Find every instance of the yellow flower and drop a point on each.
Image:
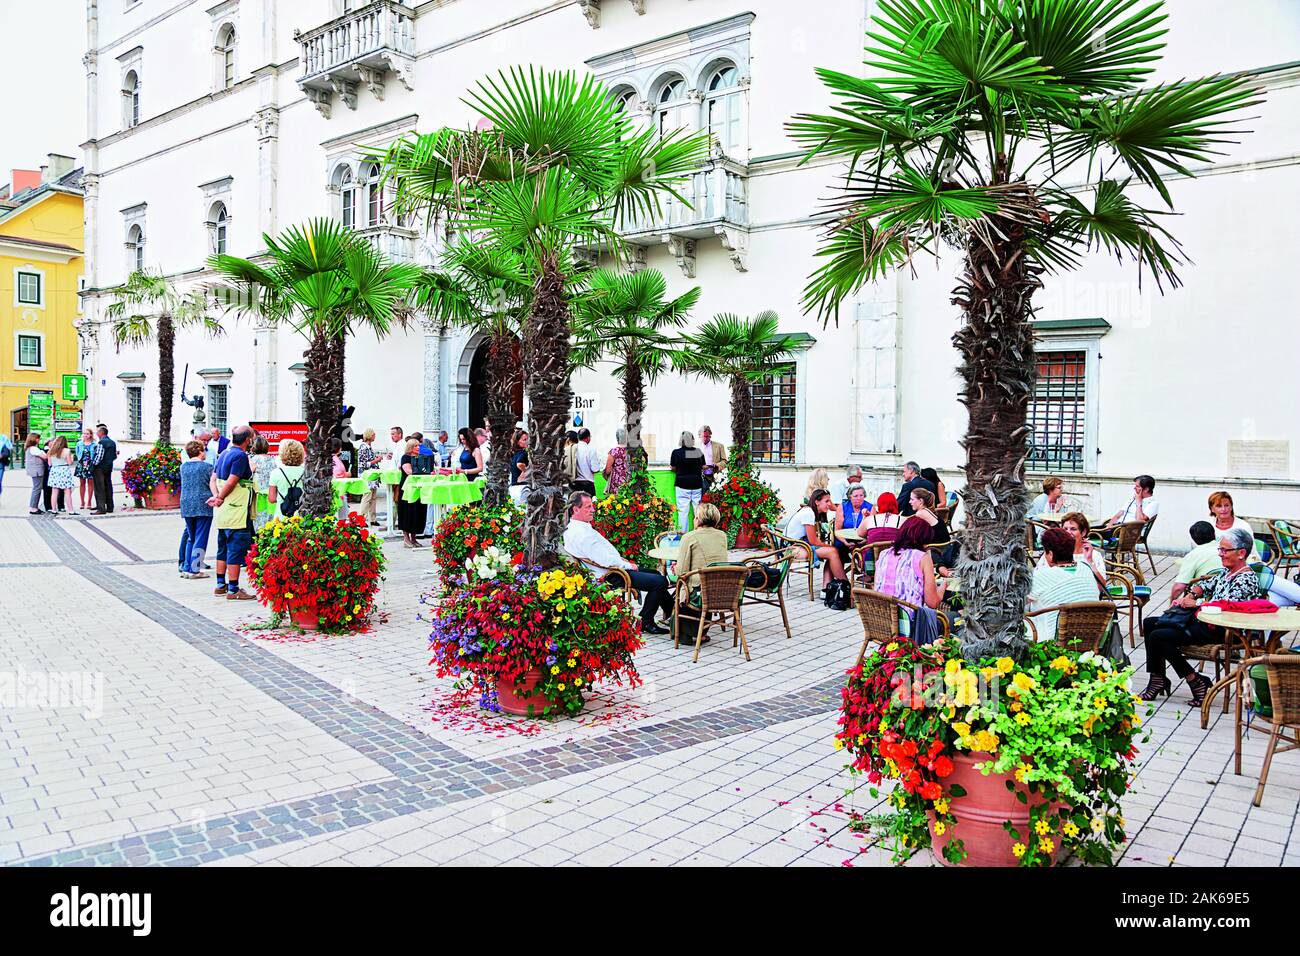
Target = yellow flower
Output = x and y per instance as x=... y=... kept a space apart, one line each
x=1046 y=845
x=1136 y=720
x=572 y=662
x=1098 y=824
x=1023 y=681
x=953 y=666
x=1071 y=830
x=554 y=669
x=560 y=686
x=577 y=682
x=892 y=646
x=941 y=806
x=1099 y=703
x=1088 y=725
x=961 y=729
x=560 y=606
x=1022 y=719
x=1006 y=665
x=939 y=829
x=1061 y=663
x=839 y=744
x=288 y=594
x=1015 y=706
x=1043 y=827
x=1018 y=849
x=988 y=673
x=356 y=609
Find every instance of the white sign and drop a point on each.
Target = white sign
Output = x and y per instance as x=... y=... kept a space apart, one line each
x=585 y=405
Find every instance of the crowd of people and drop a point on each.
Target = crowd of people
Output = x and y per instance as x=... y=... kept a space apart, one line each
x=57 y=471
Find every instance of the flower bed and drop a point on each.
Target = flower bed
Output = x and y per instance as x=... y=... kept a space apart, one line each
x=560 y=624
x=159 y=467
x=631 y=521
x=309 y=565
x=467 y=531
x=1062 y=727
x=746 y=503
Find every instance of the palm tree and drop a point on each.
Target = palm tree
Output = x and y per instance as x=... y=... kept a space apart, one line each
x=324 y=281
x=740 y=352
x=558 y=168
x=489 y=292
x=626 y=317
x=1012 y=129
x=149 y=308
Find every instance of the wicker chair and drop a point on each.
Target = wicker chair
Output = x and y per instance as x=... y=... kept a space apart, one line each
x=1130 y=592
x=1287 y=551
x=1081 y=626
x=1284 y=693
x=1124 y=543
x=881 y=617
x=772 y=594
x=721 y=588
x=776 y=541
x=619 y=576
x=1033 y=535
x=1142 y=546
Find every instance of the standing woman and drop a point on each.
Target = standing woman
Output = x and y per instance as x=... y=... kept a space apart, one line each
x=411 y=514
x=616 y=462
x=687 y=463
x=59 y=459
x=88 y=453
x=35 y=464
x=6 y=457
x=519 y=458
x=470 y=462
x=368 y=460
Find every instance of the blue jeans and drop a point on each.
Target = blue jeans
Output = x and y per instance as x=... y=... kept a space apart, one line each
x=194 y=542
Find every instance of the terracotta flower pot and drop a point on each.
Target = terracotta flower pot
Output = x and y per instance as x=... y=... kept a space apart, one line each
x=980 y=815
x=307 y=620
x=745 y=540
x=527 y=699
x=162 y=498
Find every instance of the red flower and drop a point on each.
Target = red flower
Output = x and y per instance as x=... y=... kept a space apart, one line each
x=943 y=767
x=931 y=790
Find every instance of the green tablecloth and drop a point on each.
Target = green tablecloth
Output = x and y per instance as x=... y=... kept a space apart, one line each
x=389 y=476
x=442 y=489
x=351 y=486
x=660 y=478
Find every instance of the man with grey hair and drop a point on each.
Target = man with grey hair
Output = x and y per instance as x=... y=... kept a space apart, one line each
x=843 y=487
x=911 y=481
x=715 y=456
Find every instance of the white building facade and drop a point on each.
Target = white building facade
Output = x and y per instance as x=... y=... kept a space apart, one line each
x=212 y=124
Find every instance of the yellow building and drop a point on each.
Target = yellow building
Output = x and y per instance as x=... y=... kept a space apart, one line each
x=40 y=271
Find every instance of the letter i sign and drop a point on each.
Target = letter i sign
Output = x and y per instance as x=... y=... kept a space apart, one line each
x=74 y=388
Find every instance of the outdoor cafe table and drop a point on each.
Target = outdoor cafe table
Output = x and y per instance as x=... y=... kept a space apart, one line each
x=1094 y=521
x=388 y=478
x=1238 y=627
x=665 y=554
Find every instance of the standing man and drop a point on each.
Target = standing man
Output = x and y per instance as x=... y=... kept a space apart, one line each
x=396 y=434
x=484 y=443
x=234 y=517
x=6 y=458
x=217 y=443
x=586 y=464
x=715 y=456
x=442 y=449
x=103 y=475
x=911 y=481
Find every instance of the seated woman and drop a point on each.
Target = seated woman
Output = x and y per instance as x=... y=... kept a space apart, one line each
x=1084 y=552
x=820 y=479
x=923 y=507
x=803 y=526
x=940 y=492
x=850 y=516
x=1223 y=515
x=883 y=523
x=906 y=570
x=1167 y=634
x=1060 y=579
x=1050 y=501
x=705 y=545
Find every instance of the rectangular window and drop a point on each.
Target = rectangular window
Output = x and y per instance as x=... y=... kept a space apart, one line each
x=772 y=432
x=1057 y=412
x=29 y=351
x=135 y=412
x=29 y=288
x=217 y=416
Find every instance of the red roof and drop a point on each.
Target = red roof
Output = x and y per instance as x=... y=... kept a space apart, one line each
x=26 y=179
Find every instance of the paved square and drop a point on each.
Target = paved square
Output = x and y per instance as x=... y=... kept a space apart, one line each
x=182 y=736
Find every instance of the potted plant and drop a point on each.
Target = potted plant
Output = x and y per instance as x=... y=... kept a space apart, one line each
x=533 y=642
x=996 y=763
x=746 y=503
x=322 y=572
x=154 y=478
x=631 y=518
x=470 y=529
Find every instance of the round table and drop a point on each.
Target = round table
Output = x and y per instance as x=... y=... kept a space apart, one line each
x=1238 y=626
x=388 y=476
x=664 y=553
x=849 y=536
x=351 y=486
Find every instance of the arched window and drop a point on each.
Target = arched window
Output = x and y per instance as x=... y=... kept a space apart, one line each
x=722 y=107
x=670 y=112
x=135 y=248
x=372 y=194
x=347 y=196
x=131 y=99
x=218 y=228
x=225 y=56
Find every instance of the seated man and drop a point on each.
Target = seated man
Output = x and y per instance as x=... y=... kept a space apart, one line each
x=1142 y=506
x=1062 y=581
x=803 y=527
x=587 y=545
x=1198 y=562
x=912 y=479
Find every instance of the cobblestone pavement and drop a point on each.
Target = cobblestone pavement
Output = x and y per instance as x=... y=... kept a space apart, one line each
x=185 y=734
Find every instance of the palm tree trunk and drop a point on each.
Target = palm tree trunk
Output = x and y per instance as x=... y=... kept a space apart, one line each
x=742 y=416
x=324 y=399
x=633 y=388
x=546 y=356
x=166 y=376
x=502 y=374
x=996 y=343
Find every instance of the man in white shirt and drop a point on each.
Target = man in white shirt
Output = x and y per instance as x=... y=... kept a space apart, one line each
x=593 y=550
x=1142 y=507
x=587 y=464
x=484 y=443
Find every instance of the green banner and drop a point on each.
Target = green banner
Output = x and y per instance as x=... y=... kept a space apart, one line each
x=40 y=413
x=67 y=422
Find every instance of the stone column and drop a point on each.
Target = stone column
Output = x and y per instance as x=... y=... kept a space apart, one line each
x=432 y=381
x=875 y=381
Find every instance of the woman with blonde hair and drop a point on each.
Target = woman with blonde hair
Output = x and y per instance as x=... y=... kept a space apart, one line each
x=59 y=457
x=1225 y=518
x=411 y=514
x=820 y=480
x=286 y=486
x=367 y=460
x=87 y=455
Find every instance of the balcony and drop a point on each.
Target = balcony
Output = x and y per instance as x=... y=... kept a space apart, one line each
x=717 y=204
x=360 y=47
x=397 y=243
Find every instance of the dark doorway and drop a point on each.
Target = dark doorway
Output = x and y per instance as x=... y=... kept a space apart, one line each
x=478 y=386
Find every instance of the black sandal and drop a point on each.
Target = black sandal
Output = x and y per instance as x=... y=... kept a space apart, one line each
x=1156 y=686
x=1200 y=685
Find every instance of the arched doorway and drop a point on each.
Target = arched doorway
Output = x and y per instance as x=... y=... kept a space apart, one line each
x=478 y=385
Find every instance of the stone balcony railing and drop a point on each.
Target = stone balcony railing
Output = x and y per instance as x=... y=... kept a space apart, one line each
x=716 y=204
x=397 y=243
x=359 y=47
